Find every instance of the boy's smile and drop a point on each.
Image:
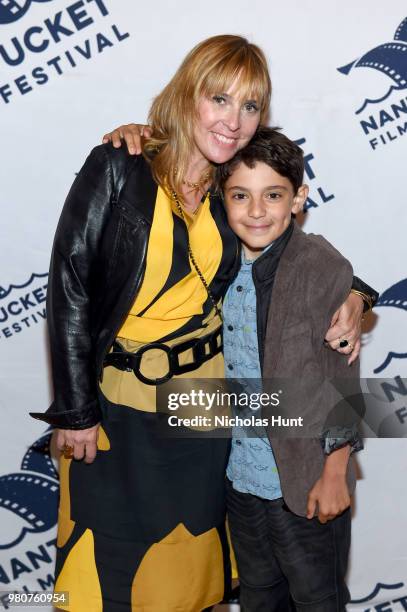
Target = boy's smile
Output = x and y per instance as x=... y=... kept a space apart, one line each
x=259 y=203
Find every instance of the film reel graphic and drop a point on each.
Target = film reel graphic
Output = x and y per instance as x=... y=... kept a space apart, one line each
x=11 y=10
x=389 y=58
x=32 y=493
x=394 y=297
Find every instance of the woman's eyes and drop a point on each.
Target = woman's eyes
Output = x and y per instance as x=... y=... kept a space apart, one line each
x=250 y=107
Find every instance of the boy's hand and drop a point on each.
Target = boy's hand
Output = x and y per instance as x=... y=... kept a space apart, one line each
x=330 y=493
x=346 y=324
x=131 y=134
x=79 y=443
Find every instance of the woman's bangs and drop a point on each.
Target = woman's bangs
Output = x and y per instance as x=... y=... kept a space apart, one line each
x=248 y=78
x=253 y=84
x=219 y=78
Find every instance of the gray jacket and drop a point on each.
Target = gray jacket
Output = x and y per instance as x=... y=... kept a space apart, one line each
x=312 y=281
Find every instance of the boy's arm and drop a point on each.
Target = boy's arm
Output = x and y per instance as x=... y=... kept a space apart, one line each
x=340 y=437
x=330 y=492
x=132 y=134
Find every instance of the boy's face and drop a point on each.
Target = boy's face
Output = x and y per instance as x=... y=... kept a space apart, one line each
x=259 y=203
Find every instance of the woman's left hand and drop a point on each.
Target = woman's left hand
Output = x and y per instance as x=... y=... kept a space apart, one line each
x=79 y=443
x=346 y=325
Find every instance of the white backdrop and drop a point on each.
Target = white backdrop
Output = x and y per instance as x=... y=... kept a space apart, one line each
x=69 y=71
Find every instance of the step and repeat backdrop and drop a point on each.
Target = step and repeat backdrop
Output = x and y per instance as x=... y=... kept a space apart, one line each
x=72 y=70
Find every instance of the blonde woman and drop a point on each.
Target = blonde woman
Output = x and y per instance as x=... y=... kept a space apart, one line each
x=141 y=260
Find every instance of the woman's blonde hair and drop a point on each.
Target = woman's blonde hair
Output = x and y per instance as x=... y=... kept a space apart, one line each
x=210 y=68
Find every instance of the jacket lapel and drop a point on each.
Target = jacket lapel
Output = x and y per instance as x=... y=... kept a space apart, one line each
x=280 y=302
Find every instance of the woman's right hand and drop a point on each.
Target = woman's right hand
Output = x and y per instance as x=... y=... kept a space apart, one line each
x=131 y=134
x=79 y=443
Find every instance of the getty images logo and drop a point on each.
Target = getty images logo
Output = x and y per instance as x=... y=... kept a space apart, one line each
x=11 y=11
x=383 y=123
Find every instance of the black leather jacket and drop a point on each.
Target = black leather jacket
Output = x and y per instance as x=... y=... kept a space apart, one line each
x=97 y=265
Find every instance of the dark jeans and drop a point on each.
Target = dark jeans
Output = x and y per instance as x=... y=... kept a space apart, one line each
x=287 y=562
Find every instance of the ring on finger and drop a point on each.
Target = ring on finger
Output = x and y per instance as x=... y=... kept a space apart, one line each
x=343 y=343
x=68 y=450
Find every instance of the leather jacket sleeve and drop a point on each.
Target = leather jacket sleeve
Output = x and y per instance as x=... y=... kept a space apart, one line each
x=360 y=285
x=74 y=257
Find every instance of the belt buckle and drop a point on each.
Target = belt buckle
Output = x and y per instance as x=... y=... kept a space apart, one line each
x=153 y=381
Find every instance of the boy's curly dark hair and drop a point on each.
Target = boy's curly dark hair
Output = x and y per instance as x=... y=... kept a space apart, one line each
x=271 y=147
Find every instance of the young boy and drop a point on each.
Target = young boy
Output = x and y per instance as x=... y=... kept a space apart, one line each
x=288 y=501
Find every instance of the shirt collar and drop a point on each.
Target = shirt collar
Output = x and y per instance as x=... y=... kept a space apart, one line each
x=250 y=262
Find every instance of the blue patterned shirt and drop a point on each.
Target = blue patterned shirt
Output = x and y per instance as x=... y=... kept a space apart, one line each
x=252 y=467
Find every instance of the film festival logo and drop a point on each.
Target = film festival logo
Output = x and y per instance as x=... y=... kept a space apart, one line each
x=318 y=195
x=386 y=591
x=384 y=119
x=11 y=11
x=393 y=319
x=386 y=407
x=22 y=306
x=29 y=505
x=30 y=494
x=47 y=42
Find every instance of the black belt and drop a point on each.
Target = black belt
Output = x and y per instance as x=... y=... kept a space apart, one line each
x=203 y=349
